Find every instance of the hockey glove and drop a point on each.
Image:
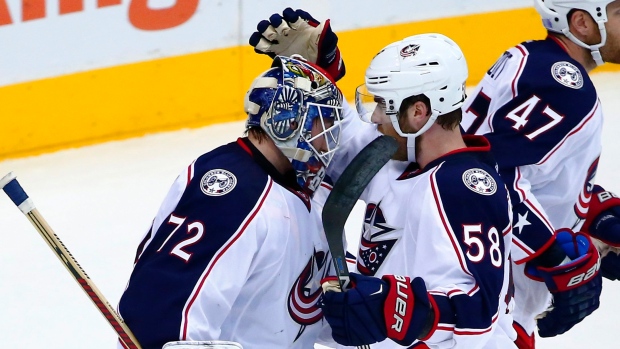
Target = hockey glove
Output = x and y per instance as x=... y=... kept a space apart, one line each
x=297 y=32
x=610 y=266
x=603 y=224
x=575 y=285
x=374 y=309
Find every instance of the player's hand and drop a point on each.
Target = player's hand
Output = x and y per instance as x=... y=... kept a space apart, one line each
x=297 y=32
x=576 y=286
x=358 y=315
x=610 y=266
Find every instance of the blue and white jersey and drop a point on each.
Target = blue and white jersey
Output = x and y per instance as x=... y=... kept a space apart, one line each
x=236 y=252
x=540 y=111
x=449 y=224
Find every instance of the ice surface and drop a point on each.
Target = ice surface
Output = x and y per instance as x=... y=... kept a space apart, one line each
x=101 y=199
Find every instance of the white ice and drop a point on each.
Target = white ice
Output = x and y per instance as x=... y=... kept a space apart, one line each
x=101 y=199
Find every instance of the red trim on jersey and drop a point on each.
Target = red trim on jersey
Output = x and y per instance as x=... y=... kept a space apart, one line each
x=540 y=215
x=516 y=184
x=245 y=147
x=559 y=42
x=447 y=227
x=519 y=71
x=190 y=173
x=507 y=230
x=523 y=341
x=535 y=254
x=448 y=327
x=236 y=237
x=478 y=332
x=473 y=143
x=585 y=121
x=528 y=251
x=326 y=185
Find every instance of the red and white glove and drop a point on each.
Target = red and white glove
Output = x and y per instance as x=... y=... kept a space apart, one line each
x=297 y=32
x=575 y=284
x=603 y=225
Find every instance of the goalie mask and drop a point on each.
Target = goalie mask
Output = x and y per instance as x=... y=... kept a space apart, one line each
x=287 y=102
x=554 y=15
x=428 y=64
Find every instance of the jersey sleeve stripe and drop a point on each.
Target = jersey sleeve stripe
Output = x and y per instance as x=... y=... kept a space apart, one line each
x=520 y=70
x=539 y=214
x=447 y=227
x=222 y=250
x=190 y=173
x=473 y=332
x=517 y=188
x=574 y=131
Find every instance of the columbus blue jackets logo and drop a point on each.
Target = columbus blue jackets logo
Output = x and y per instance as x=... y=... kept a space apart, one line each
x=583 y=203
x=479 y=181
x=409 y=50
x=567 y=74
x=378 y=238
x=306 y=291
x=218 y=182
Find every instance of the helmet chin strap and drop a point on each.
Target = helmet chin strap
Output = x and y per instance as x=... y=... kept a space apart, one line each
x=411 y=149
x=411 y=137
x=594 y=49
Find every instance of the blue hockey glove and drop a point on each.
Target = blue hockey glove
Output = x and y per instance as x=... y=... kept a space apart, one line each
x=297 y=32
x=374 y=309
x=610 y=266
x=576 y=285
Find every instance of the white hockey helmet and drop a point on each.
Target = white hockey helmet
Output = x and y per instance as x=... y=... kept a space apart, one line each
x=554 y=15
x=428 y=64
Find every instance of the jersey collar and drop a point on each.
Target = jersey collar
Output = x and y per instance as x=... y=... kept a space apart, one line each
x=287 y=180
x=478 y=145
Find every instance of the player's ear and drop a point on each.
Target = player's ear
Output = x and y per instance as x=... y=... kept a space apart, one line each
x=418 y=113
x=583 y=26
x=414 y=116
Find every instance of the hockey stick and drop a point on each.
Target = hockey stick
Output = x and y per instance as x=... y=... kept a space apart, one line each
x=346 y=192
x=19 y=197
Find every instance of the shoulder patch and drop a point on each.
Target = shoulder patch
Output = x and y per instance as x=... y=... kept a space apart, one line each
x=218 y=182
x=479 y=181
x=567 y=74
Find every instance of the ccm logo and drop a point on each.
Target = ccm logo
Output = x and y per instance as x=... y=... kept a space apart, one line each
x=577 y=279
x=400 y=309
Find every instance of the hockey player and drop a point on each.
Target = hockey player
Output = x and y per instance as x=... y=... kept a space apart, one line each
x=433 y=262
x=542 y=116
x=236 y=251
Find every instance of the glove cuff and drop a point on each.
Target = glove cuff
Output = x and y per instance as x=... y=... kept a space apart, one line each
x=601 y=201
x=574 y=274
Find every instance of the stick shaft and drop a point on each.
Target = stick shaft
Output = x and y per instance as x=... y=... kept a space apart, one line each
x=17 y=194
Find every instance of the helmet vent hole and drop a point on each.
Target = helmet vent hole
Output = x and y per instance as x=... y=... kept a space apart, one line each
x=441 y=99
x=444 y=88
x=378 y=80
